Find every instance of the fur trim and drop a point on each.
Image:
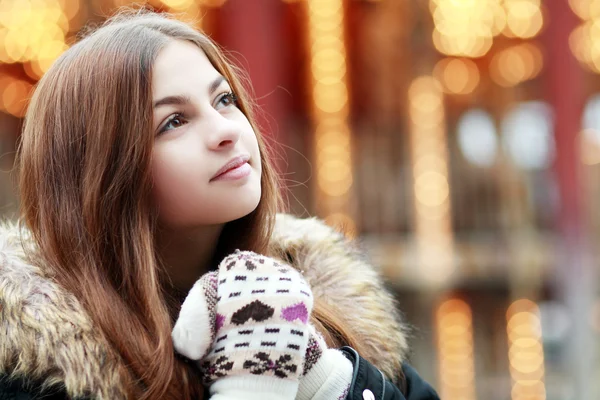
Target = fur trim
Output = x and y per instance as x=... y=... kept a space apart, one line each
x=340 y=275
x=48 y=336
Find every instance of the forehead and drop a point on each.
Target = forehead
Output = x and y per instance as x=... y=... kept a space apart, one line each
x=180 y=66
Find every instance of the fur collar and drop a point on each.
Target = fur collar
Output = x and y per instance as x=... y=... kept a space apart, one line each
x=48 y=336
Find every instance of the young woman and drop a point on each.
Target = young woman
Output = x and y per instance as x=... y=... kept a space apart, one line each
x=141 y=170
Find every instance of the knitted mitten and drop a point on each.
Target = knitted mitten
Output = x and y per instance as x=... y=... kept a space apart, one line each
x=327 y=372
x=247 y=325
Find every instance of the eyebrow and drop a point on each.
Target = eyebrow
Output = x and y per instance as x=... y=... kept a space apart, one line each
x=183 y=99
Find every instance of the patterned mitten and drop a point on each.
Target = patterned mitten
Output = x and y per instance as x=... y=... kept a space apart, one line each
x=327 y=372
x=247 y=324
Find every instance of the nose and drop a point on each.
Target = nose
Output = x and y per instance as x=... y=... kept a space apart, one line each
x=222 y=133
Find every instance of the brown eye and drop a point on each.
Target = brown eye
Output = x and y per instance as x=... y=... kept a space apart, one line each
x=226 y=100
x=175 y=121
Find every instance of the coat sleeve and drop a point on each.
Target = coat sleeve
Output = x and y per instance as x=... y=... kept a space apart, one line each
x=20 y=389
x=367 y=378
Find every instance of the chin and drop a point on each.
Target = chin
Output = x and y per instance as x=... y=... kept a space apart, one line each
x=245 y=210
x=241 y=206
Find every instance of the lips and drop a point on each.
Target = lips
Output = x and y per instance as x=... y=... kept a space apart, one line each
x=232 y=164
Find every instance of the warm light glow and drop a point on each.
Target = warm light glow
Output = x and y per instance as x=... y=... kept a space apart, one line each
x=526 y=353
x=585 y=44
x=462 y=44
x=458 y=76
x=343 y=223
x=586 y=9
x=430 y=180
x=431 y=188
x=330 y=112
x=178 y=4
x=70 y=8
x=189 y=11
x=516 y=64
x=34 y=31
x=190 y=6
x=585 y=39
x=466 y=28
x=524 y=18
x=455 y=350
x=14 y=94
x=211 y=3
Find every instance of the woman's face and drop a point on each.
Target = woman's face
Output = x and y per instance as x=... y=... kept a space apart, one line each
x=206 y=162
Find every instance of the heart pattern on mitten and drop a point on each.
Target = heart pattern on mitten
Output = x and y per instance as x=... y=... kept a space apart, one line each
x=261 y=313
x=256 y=311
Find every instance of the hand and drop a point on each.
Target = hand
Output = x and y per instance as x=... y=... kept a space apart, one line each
x=247 y=325
x=327 y=372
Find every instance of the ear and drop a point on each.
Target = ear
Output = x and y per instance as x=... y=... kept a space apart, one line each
x=194 y=330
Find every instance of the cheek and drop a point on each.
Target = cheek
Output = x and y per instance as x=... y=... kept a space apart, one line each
x=170 y=174
x=174 y=180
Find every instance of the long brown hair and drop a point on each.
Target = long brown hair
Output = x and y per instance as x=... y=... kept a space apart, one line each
x=85 y=180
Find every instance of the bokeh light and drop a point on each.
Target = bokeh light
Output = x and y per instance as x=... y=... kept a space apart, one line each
x=457 y=75
x=456 y=363
x=477 y=137
x=14 y=94
x=524 y=18
x=430 y=179
x=34 y=31
x=330 y=100
x=516 y=64
x=528 y=135
x=585 y=44
x=585 y=38
x=467 y=28
x=178 y=4
x=586 y=9
x=525 y=353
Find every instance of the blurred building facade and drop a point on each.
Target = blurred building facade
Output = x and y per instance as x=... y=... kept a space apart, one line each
x=458 y=140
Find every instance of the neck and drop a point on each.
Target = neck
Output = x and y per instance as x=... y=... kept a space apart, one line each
x=187 y=255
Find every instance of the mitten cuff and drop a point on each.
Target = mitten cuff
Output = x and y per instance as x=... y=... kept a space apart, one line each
x=253 y=387
x=194 y=330
x=328 y=379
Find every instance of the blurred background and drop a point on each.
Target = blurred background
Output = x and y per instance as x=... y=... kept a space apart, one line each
x=457 y=140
